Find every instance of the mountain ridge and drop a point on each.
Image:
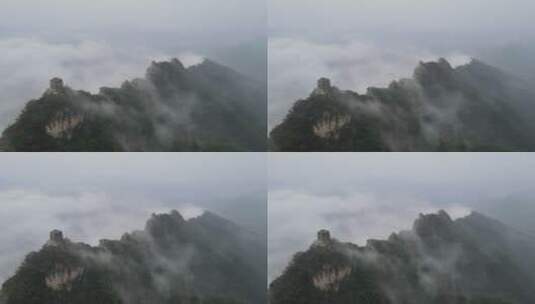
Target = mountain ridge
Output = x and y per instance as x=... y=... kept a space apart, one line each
x=204 y=107
x=474 y=259
x=172 y=260
x=472 y=107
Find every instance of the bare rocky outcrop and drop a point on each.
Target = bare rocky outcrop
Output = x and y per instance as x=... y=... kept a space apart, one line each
x=330 y=124
x=63 y=277
x=63 y=124
x=329 y=278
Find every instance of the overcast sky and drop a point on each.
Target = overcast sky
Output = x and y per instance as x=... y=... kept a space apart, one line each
x=372 y=42
x=400 y=15
x=358 y=196
x=91 y=196
x=103 y=43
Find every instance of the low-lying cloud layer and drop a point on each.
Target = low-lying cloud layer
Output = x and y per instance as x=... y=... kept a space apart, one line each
x=296 y=64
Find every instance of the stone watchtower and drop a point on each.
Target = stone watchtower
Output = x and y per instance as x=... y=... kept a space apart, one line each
x=56 y=236
x=324 y=236
x=56 y=86
x=323 y=87
x=324 y=84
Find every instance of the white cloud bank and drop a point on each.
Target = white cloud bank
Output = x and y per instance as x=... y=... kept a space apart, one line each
x=296 y=64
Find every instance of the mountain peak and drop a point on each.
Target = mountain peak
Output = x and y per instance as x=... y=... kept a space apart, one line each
x=434 y=72
x=432 y=224
x=213 y=69
x=208 y=62
x=210 y=219
x=165 y=69
x=160 y=224
x=210 y=215
x=174 y=63
x=476 y=218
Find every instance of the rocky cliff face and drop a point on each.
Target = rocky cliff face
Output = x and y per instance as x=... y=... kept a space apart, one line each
x=329 y=279
x=205 y=260
x=330 y=125
x=63 y=277
x=469 y=260
x=469 y=108
x=63 y=124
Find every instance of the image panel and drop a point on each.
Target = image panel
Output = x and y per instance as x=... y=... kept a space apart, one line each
x=144 y=75
x=128 y=228
x=401 y=75
x=401 y=228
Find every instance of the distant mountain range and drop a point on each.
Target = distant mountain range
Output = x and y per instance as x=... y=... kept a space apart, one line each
x=473 y=107
x=205 y=107
x=203 y=260
x=471 y=260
